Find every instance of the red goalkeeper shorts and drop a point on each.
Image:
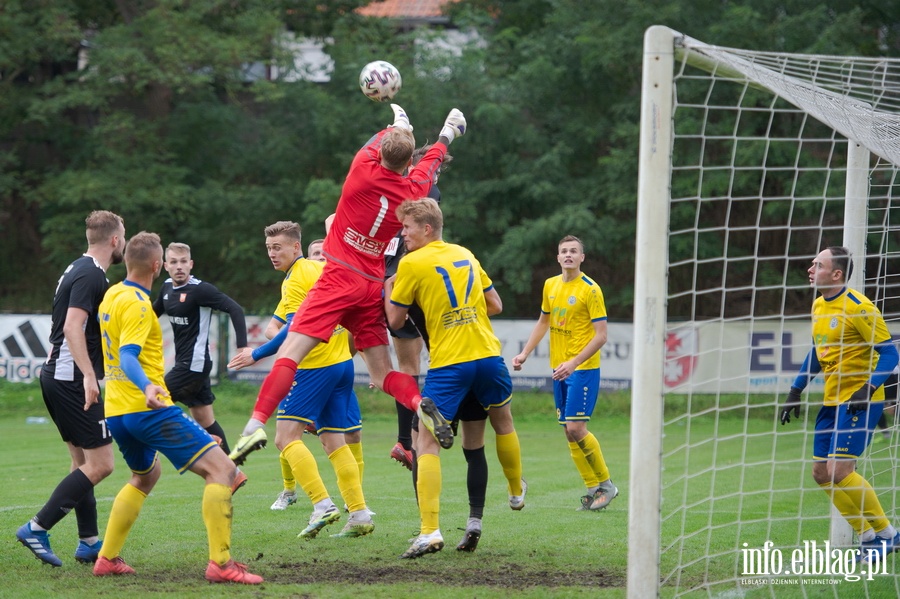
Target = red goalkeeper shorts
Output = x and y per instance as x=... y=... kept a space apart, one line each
x=340 y=296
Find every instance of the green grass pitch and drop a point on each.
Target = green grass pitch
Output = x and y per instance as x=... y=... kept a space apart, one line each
x=547 y=550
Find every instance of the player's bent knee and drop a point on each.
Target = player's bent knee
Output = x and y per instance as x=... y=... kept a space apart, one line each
x=215 y=467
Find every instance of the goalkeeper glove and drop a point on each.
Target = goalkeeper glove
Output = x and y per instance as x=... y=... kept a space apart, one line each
x=400 y=118
x=454 y=125
x=859 y=401
x=792 y=403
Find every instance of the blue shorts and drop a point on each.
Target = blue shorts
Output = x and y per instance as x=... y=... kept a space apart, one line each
x=840 y=435
x=325 y=398
x=168 y=431
x=487 y=378
x=576 y=396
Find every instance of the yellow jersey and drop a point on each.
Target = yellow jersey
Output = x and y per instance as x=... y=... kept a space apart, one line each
x=298 y=280
x=845 y=330
x=127 y=318
x=448 y=283
x=573 y=307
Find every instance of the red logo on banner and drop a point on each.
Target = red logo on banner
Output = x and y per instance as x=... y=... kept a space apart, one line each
x=681 y=356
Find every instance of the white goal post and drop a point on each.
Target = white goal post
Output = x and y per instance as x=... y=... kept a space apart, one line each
x=750 y=163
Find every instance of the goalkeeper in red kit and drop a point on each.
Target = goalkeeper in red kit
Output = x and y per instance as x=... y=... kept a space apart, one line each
x=350 y=289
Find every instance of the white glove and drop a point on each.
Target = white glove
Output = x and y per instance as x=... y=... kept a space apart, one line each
x=252 y=425
x=400 y=118
x=454 y=125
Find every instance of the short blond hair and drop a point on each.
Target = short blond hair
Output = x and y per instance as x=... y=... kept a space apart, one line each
x=424 y=211
x=397 y=146
x=178 y=248
x=289 y=229
x=140 y=252
x=101 y=225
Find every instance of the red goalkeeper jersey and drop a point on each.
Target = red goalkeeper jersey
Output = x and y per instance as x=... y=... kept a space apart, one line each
x=365 y=220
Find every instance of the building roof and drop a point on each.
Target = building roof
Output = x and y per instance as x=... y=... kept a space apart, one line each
x=405 y=9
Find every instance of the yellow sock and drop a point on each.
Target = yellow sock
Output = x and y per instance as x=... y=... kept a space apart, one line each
x=846 y=505
x=217 y=515
x=348 y=479
x=865 y=500
x=356 y=449
x=306 y=471
x=287 y=475
x=125 y=509
x=428 y=487
x=594 y=457
x=510 y=455
x=584 y=469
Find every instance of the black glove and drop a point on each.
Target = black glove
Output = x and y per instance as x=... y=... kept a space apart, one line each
x=859 y=401
x=792 y=403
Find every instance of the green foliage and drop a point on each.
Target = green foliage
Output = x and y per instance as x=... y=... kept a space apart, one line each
x=171 y=125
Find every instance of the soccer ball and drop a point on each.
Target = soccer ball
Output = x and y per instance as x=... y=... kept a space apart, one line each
x=380 y=81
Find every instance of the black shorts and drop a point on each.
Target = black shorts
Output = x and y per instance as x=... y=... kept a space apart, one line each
x=407 y=331
x=470 y=410
x=414 y=327
x=65 y=402
x=189 y=387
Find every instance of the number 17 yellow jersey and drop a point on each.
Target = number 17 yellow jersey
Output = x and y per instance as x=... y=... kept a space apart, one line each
x=448 y=283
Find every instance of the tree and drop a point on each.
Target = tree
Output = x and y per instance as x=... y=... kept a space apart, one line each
x=161 y=111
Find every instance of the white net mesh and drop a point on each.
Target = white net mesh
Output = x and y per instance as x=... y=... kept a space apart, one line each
x=759 y=175
x=857 y=97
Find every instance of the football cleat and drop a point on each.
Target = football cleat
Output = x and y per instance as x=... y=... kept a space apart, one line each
x=423 y=545
x=404 y=456
x=436 y=424
x=517 y=502
x=111 y=567
x=874 y=551
x=240 y=479
x=231 y=571
x=603 y=496
x=87 y=554
x=319 y=520
x=38 y=541
x=247 y=445
x=284 y=499
x=586 y=501
x=356 y=527
x=473 y=535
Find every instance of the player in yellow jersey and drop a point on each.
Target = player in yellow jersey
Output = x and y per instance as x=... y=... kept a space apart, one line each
x=322 y=397
x=143 y=420
x=853 y=349
x=456 y=297
x=574 y=312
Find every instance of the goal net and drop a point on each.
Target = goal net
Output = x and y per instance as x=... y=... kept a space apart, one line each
x=750 y=164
